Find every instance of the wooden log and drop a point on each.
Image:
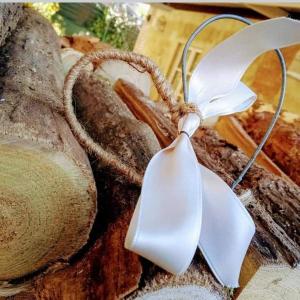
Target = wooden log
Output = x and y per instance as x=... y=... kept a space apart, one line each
x=112 y=70
x=10 y=14
x=109 y=271
x=274 y=203
x=106 y=270
x=232 y=131
x=83 y=43
x=47 y=190
x=283 y=147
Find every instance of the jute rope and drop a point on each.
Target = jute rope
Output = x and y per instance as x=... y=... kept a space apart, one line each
x=163 y=87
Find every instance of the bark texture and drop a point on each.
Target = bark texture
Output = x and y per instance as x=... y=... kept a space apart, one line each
x=232 y=131
x=10 y=14
x=47 y=190
x=283 y=147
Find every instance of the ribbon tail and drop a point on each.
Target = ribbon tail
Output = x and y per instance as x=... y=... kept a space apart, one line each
x=165 y=227
x=227 y=229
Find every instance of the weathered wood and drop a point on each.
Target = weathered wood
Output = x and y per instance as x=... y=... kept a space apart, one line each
x=119 y=131
x=83 y=43
x=73 y=47
x=116 y=69
x=10 y=14
x=275 y=204
x=232 y=131
x=106 y=271
x=283 y=147
x=47 y=190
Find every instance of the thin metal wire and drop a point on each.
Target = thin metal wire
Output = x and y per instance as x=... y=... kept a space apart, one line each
x=282 y=92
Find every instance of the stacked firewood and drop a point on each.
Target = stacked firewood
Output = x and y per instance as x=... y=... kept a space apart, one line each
x=54 y=242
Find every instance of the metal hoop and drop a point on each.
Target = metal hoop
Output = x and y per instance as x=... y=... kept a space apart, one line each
x=282 y=92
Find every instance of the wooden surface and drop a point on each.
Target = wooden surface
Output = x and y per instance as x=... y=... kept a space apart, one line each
x=103 y=269
x=232 y=131
x=283 y=147
x=9 y=17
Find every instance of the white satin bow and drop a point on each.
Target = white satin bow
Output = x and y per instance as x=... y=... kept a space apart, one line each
x=183 y=205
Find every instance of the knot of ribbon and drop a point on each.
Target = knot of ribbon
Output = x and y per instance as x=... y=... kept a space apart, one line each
x=183 y=205
x=182 y=109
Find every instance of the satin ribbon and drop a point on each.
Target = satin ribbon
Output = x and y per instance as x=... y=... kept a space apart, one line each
x=184 y=205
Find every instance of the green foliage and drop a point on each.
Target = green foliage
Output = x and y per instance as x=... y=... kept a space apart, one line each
x=114 y=30
x=48 y=10
x=45 y=9
x=68 y=27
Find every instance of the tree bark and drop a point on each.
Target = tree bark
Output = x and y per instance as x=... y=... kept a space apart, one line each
x=47 y=190
x=283 y=147
x=232 y=131
x=10 y=14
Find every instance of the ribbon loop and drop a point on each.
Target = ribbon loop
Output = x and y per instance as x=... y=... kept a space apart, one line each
x=219 y=73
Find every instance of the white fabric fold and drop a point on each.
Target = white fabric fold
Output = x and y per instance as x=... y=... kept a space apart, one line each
x=227 y=229
x=166 y=224
x=183 y=204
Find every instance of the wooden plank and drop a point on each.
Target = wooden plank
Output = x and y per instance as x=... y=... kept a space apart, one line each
x=268 y=11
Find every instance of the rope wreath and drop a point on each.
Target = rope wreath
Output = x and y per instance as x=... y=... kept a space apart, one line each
x=161 y=84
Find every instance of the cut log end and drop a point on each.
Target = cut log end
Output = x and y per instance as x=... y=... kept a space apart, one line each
x=273 y=282
x=195 y=283
x=34 y=229
x=178 y=293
